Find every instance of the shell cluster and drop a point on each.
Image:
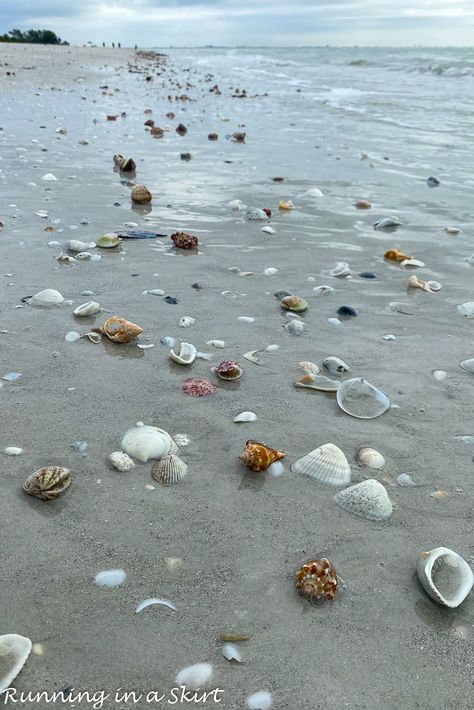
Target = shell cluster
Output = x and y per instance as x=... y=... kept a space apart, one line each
x=317 y=579
x=184 y=241
x=258 y=457
x=48 y=482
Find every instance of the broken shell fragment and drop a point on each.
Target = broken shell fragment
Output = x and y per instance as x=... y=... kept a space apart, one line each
x=169 y=470
x=258 y=457
x=87 y=309
x=108 y=241
x=76 y=246
x=186 y=356
x=412 y=264
x=216 y=343
x=141 y=194
x=119 y=330
x=228 y=370
x=370 y=458
x=335 y=366
x=14 y=651
x=184 y=241
x=294 y=303
x=368 y=499
x=341 y=270
x=396 y=255
x=148 y=442
x=317 y=382
x=317 y=579
x=186 y=321
x=468 y=365
x=415 y=282
x=121 y=461
x=48 y=482
x=327 y=464
x=231 y=652
x=445 y=576
x=360 y=399
x=250 y=356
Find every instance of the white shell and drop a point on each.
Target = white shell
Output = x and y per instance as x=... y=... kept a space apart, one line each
x=314 y=192
x=467 y=365
x=194 y=677
x=186 y=355
x=268 y=229
x=294 y=327
x=360 y=399
x=341 y=269
x=216 y=343
x=231 y=652
x=270 y=271
x=387 y=223
x=155 y=600
x=13 y=451
x=76 y=245
x=148 y=442
x=87 y=309
x=368 y=499
x=466 y=309
x=66 y=258
x=412 y=264
x=370 y=458
x=48 y=297
x=186 y=321
x=323 y=290
x=261 y=700
x=245 y=417
x=446 y=577
x=110 y=578
x=327 y=464
x=335 y=365
x=246 y=319
x=84 y=255
x=49 y=177
x=121 y=461
x=434 y=285
x=14 y=650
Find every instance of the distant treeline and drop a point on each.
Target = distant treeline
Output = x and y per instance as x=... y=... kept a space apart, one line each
x=32 y=37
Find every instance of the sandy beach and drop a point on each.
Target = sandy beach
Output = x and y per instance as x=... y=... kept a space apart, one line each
x=224 y=545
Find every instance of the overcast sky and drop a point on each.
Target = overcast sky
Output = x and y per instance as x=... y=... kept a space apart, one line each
x=150 y=23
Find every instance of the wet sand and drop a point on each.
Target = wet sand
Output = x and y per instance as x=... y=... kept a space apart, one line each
x=238 y=537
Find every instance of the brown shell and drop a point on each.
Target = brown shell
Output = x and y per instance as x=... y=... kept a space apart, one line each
x=258 y=457
x=184 y=241
x=48 y=482
x=141 y=194
x=239 y=137
x=157 y=132
x=119 y=330
x=396 y=255
x=181 y=129
x=149 y=122
x=317 y=579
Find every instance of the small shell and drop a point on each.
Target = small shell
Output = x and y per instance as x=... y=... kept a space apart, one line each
x=317 y=579
x=14 y=652
x=216 y=343
x=258 y=457
x=368 y=499
x=152 y=601
x=93 y=337
x=197 y=387
x=48 y=482
x=184 y=241
x=245 y=417
x=317 y=382
x=445 y=576
x=47 y=298
x=186 y=321
x=121 y=461
x=362 y=205
x=341 y=270
x=323 y=290
x=288 y=205
x=415 y=282
x=294 y=303
x=261 y=700
x=231 y=636
x=110 y=578
x=77 y=246
x=467 y=365
x=87 y=309
x=119 y=330
x=194 y=677
x=228 y=370
x=169 y=470
x=314 y=192
x=310 y=368
x=388 y=223
x=335 y=366
x=66 y=258
x=396 y=255
x=360 y=399
x=327 y=464
x=13 y=451
x=231 y=652
x=141 y=194
x=250 y=356
x=370 y=458
x=148 y=442
x=411 y=263
x=186 y=356
x=294 y=327
x=108 y=241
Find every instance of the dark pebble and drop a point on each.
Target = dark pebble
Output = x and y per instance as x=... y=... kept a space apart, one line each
x=367 y=275
x=185 y=156
x=347 y=311
x=116 y=204
x=170 y=299
x=433 y=182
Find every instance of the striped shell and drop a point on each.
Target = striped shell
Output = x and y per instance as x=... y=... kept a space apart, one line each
x=368 y=499
x=317 y=579
x=327 y=464
x=48 y=482
x=170 y=469
x=258 y=457
x=119 y=330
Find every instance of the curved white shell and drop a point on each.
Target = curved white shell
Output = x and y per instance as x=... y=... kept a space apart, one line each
x=335 y=365
x=245 y=417
x=327 y=464
x=110 y=578
x=387 y=223
x=446 y=577
x=14 y=650
x=186 y=356
x=231 y=652
x=76 y=245
x=216 y=343
x=467 y=365
x=194 y=677
x=411 y=264
x=368 y=499
x=261 y=700
x=370 y=458
x=87 y=309
x=48 y=297
x=148 y=442
x=360 y=399
x=155 y=600
x=186 y=321
x=171 y=469
x=323 y=289
x=314 y=192
x=341 y=269
x=121 y=461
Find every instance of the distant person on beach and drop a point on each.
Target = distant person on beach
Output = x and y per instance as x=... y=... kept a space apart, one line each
x=113 y=45
x=103 y=44
x=119 y=45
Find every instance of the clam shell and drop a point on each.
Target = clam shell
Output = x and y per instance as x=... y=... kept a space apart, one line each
x=148 y=442
x=294 y=303
x=327 y=464
x=467 y=365
x=186 y=355
x=294 y=327
x=335 y=366
x=317 y=382
x=14 y=651
x=87 y=309
x=411 y=263
x=445 y=576
x=170 y=469
x=368 y=499
x=48 y=482
x=370 y=458
x=108 y=241
x=47 y=298
x=360 y=399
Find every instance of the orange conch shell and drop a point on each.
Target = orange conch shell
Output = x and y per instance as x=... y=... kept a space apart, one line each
x=119 y=330
x=396 y=255
x=317 y=580
x=259 y=457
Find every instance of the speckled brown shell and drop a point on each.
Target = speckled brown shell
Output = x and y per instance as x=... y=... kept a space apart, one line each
x=119 y=330
x=141 y=194
x=184 y=241
x=317 y=580
x=258 y=457
x=48 y=482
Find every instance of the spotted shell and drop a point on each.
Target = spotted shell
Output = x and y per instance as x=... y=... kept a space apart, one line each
x=258 y=457
x=184 y=241
x=48 y=482
x=170 y=469
x=119 y=330
x=396 y=255
x=317 y=580
x=229 y=370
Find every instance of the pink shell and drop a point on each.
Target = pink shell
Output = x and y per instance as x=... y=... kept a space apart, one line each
x=197 y=387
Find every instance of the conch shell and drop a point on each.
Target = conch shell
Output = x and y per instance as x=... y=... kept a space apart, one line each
x=396 y=255
x=119 y=330
x=48 y=482
x=258 y=457
x=317 y=580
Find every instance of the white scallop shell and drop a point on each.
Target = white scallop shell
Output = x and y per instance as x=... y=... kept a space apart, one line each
x=370 y=458
x=87 y=309
x=194 y=677
x=341 y=269
x=76 y=245
x=335 y=365
x=171 y=469
x=368 y=499
x=148 y=442
x=121 y=461
x=14 y=651
x=186 y=356
x=245 y=417
x=327 y=464
x=446 y=577
x=231 y=652
x=48 y=297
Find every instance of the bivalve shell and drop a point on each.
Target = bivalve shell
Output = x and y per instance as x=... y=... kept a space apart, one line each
x=169 y=470
x=47 y=298
x=370 y=458
x=48 y=482
x=87 y=309
x=317 y=382
x=368 y=499
x=148 y=442
x=360 y=399
x=108 y=241
x=445 y=576
x=245 y=417
x=294 y=303
x=327 y=464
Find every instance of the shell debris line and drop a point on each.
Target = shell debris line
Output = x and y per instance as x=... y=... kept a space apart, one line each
x=270 y=252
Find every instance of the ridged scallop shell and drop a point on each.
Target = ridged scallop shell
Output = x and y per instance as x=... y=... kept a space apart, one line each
x=186 y=356
x=445 y=576
x=119 y=330
x=228 y=370
x=317 y=382
x=294 y=303
x=148 y=442
x=108 y=241
x=141 y=194
x=370 y=458
x=335 y=366
x=87 y=309
x=258 y=457
x=46 y=298
x=327 y=464
x=48 y=482
x=368 y=499
x=360 y=399
x=317 y=579
x=14 y=651
x=170 y=469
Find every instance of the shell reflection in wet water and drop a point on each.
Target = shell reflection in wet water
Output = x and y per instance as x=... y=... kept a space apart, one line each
x=360 y=399
x=368 y=499
x=48 y=482
x=445 y=576
x=317 y=579
x=327 y=464
x=370 y=458
x=169 y=470
x=258 y=457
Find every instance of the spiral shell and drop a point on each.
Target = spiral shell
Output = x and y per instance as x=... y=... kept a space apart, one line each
x=119 y=330
x=258 y=457
x=48 y=482
x=317 y=579
x=170 y=469
x=184 y=241
x=396 y=255
x=141 y=194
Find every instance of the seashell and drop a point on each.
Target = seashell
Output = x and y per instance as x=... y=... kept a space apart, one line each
x=360 y=399
x=194 y=677
x=261 y=700
x=415 y=282
x=184 y=241
x=324 y=289
x=228 y=370
x=110 y=578
x=48 y=482
x=452 y=230
x=362 y=205
x=121 y=461
x=347 y=312
x=108 y=241
x=275 y=469
x=341 y=270
x=254 y=213
x=370 y=458
x=465 y=309
x=186 y=321
x=47 y=298
x=294 y=327
x=72 y=336
x=14 y=651
x=155 y=600
x=404 y=480
x=119 y=330
x=434 y=286
x=148 y=442
x=181 y=129
x=294 y=303
x=66 y=258
x=270 y=271
x=186 y=356
x=13 y=451
x=258 y=457
x=250 y=356
x=317 y=579
x=327 y=464
x=87 y=309
x=288 y=205
x=77 y=246
x=411 y=264
x=231 y=652
x=314 y=192
x=93 y=337
x=388 y=223
x=236 y=205
x=216 y=343
x=245 y=417
x=445 y=576
x=168 y=340
x=317 y=382
x=246 y=319
x=467 y=365
x=197 y=387
x=310 y=368
x=169 y=470
x=125 y=165
x=335 y=366
x=141 y=194
x=439 y=375
x=368 y=499
x=396 y=255
x=85 y=255
x=238 y=137
x=267 y=229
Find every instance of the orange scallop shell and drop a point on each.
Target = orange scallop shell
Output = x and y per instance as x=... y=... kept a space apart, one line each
x=119 y=330
x=317 y=579
x=258 y=457
x=396 y=255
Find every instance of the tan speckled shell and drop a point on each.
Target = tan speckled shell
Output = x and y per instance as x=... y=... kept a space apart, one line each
x=317 y=579
x=48 y=482
x=119 y=330
x=258 y=457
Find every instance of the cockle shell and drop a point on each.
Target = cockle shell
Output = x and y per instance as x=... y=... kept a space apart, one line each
x=48 y=482
x=360 y=399
x=327 y=464
x=368 y=499
x=317 y=382
x=184 y=241
x=294 y=303
x=14 y=651
x=415 y=282
x=77 y=246
x=108 y=241
x=396 y=255
x=445 y=576
x=148 y=442
x=170 y=469
x=335 y=366
x=47 y=298
x=258 y=457
x=119 y=330
x=186 y=355
x=228 y=370
x=317 y=579
x=121 y=461
x=141 y=194
x=87 y=309
x=370 y=458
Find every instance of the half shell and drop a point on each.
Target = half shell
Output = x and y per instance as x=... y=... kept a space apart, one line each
x=48 y=482
x=148 y=442
x=294 y=303
x=360 y=399
x=467 y=365
x=445 y=576
x=87 y=309
x=14 y=651
x=370 y=458
x=108 y=241
x=327 y=464
x=170 y=469
x=368 y=499
x=186 y=355
x=47 y=298
x=228 y=370
x=245 y=417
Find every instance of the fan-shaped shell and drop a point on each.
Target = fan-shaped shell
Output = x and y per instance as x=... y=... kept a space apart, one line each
x=228 y=370
x=120 y=330
x=258 y=457
x=141 y=194
x=108 y=241
x=87 y=309
x=327 y=464
x=46 y=298
x=186 y=356
x=48 y=482
x=445 y=576
x=368 y=499
x=148 y=442
x=14 y=651
x=317 y=579
x=360 y=399
x=370 y=458
x=170 y=469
